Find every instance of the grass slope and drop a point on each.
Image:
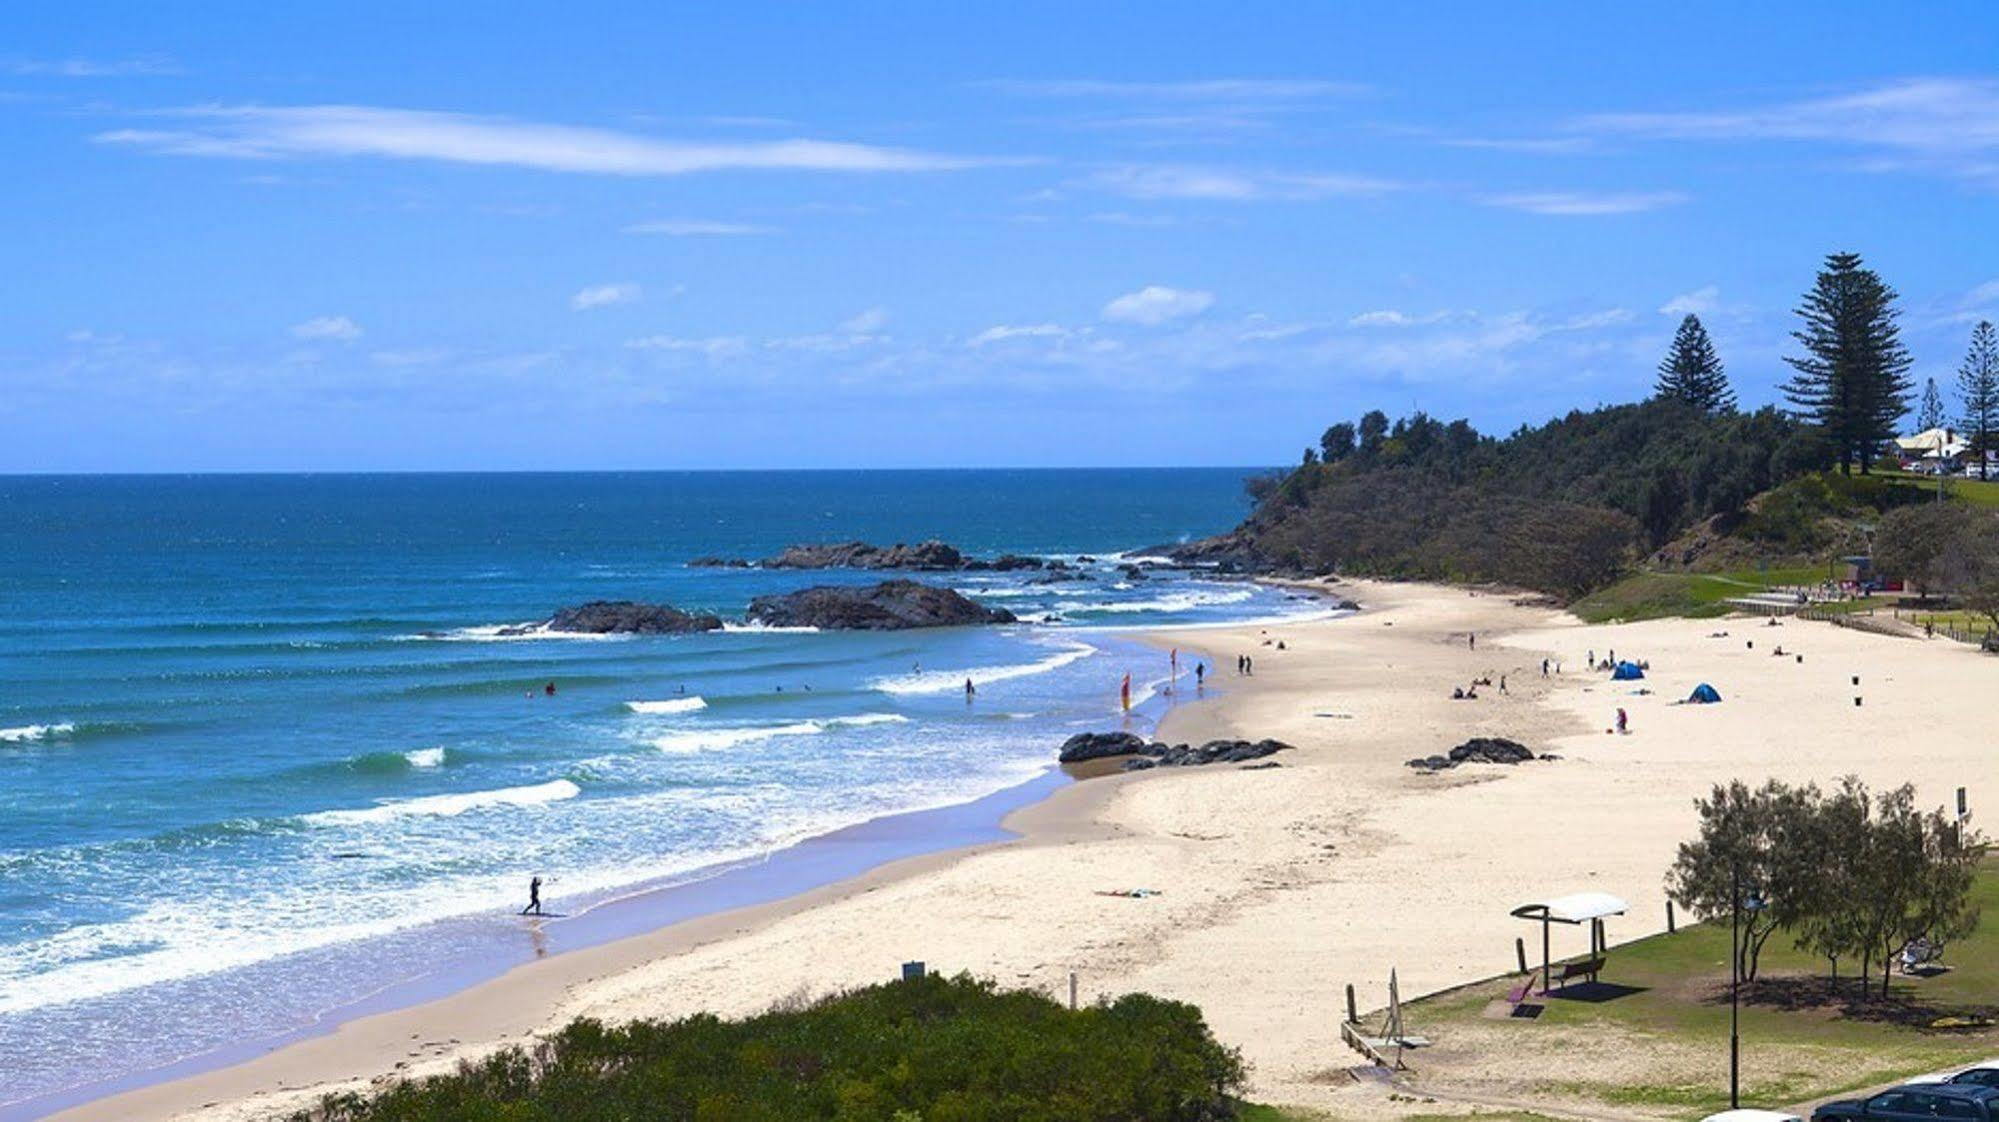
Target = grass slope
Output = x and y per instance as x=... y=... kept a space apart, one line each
x=1800 y=1042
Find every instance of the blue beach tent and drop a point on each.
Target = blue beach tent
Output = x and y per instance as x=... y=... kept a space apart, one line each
x=1626 y=672
x=1704 y=694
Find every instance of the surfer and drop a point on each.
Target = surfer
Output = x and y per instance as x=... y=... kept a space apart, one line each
x=549 y=689
x=534 y=896
x=970 y=690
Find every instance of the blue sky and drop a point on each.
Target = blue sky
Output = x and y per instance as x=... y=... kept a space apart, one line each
x=867 y=234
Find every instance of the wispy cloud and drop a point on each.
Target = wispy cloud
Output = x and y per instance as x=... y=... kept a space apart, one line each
x=698 y=228
x=1208 y=89
x=335 y=329
x=604 y=295
x=1182 y=181
x=1947 y=124
x=1543 y=146
x=1004 y=332
x=866 y=323
x=1156 y=304
x=1573 y=203
x=1701 y=301
x=712 y=347
x=143 y=66
x=298 y=132
x=1389 y=317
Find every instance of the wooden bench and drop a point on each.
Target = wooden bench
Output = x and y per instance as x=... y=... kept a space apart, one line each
x=1570 y=971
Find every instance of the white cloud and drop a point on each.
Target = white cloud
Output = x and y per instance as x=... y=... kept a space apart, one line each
x=1568 y=203
x=698 y=228
x=1700 y=302
x=295 y=132
x=144 y=66
x=1950 y=124
x=1155 y=304
x=866 y=323
x=714 y=346
x=1539 y=146
x=1003 y=332
x=603 y=296
x=337 y=329
x=1179 y=181
x=1389 y=317
x=1210 y=89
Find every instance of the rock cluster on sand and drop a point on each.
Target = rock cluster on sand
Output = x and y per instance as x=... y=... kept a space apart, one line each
x=623 y=617
x=889 y=606
x=1087 y=746
x=1478 y=750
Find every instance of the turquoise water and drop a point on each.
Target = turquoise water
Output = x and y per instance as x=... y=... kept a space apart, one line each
x=251 y=725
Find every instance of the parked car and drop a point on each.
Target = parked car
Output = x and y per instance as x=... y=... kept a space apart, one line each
x=1749 y=1115
x=1985 y=1074
x=1925 y=1101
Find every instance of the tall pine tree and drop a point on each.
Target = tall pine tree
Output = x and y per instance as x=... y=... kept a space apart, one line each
x=1853 y=379
x=1930 y=415
x=1978 y=390
x=1691 y=371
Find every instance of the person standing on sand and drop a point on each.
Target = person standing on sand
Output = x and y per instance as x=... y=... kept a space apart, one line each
x=1471 y=639
x=1200 y=674
x=534 y=898
x=1623 y=723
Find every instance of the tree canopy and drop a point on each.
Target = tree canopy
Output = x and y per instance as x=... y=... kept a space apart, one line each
x=1692 y=372
x=1853 y=379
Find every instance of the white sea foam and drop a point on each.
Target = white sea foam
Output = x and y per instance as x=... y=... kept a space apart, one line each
x=448 y=806
x=710 y=740
x=944 y=681
x=1172 y=602
x=668 y=707
x=755 y=627
x=425 y=757
x=25 y=733
x=504 y=633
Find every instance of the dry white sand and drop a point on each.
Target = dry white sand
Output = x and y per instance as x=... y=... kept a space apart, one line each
x=1278 y=886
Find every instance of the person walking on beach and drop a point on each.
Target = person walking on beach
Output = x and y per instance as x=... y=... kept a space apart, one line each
x=1471 y=639
x=1200 y=674
x=534 y=898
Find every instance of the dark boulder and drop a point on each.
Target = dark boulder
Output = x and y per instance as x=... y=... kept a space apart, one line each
x=929 y=555
x=1101 y=745
x=712 y=562
x=1086 y=746
x=625 y=617
x=1478 y=750
x=1008 y=562
x=889 y=606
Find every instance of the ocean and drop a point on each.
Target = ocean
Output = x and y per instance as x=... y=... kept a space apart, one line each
x=265 y=750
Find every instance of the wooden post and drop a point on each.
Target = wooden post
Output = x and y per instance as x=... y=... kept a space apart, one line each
x=1670 y=928
x=1353 y=1011
x=1520 y=952
x=1072 y=989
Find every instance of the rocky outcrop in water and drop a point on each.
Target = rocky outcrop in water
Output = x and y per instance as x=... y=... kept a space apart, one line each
x=889 y=606
x=1086 y=746
x=1478 y=750
x=623 y=617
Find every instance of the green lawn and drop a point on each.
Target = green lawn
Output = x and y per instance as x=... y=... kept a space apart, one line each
x=1796 y=1045
x=1693 y=595
x=1973 y=490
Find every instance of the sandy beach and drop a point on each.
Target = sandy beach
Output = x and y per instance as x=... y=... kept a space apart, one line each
x=1276 y=887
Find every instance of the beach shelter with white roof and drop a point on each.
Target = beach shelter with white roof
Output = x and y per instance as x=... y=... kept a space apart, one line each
x=1574 y=909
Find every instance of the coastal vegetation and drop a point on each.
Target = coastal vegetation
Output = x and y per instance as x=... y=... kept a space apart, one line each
x=934 y=1048
x=1682 y=483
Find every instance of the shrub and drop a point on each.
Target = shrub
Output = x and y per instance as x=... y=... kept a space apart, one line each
x=936 y=1049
